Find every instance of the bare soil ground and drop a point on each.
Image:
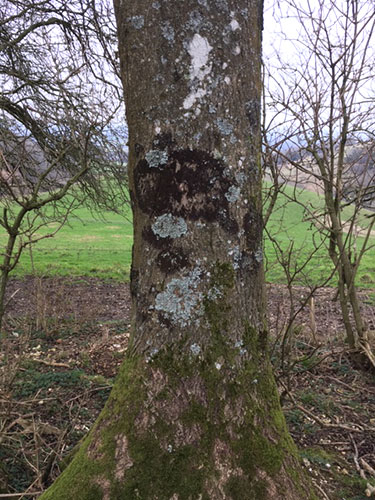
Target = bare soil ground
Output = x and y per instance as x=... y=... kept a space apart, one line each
x=67 y=337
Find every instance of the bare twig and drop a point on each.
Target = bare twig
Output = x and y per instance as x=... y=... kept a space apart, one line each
x=367 y=467
x=321 y=491
x=325 y=424
x=355 y=459
x=20 y=495
x=51 y=363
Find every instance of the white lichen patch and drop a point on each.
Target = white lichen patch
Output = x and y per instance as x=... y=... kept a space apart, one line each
x=157 y=127
x=156 y=158
x=152 y=354
x=181 y=302
x=235 y=253
x=195 y=349
x=239 y=345
x=234 y=25
x=237 y=50
x=169 y=226
x=192 y=97
x=199 y=50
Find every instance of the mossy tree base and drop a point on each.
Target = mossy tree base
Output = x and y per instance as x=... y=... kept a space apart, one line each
x=183 y=429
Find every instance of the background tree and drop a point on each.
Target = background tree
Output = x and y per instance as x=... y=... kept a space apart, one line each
x=58 y=106
x=194 y=412
x=322 y=124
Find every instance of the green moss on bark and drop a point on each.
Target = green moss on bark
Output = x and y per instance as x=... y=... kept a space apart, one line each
x=239 y=488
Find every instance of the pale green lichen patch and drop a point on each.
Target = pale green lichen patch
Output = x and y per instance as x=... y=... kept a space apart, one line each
x=233 y=194
x=240 y=177
x=168 y=226
x=156 y=158
x=226 y=129
x=181 y=302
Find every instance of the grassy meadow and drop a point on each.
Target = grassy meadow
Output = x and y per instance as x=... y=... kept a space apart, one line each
x=100 y=246
x=89 y=244
x=290 y=227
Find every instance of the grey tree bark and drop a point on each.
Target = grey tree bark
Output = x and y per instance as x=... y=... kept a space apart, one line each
x=194 y=412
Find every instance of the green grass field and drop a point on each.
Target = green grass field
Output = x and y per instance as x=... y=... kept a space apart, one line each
x=87 y=245
x=101 y=246
x=288 y=225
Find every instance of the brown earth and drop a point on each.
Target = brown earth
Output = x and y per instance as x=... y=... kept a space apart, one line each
x=66 y=339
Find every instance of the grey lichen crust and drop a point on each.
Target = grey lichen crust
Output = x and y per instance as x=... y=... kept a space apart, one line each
x=156 y=158
x=168 y=32
x=259 y=255
x=168 y=226
x=181 y=302
x=137 y=21
x=225 y=127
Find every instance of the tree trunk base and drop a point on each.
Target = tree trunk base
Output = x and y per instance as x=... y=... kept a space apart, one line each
x=159 y=439
x=363 y=358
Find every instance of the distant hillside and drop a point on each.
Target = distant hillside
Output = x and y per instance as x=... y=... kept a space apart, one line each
x=358 y=177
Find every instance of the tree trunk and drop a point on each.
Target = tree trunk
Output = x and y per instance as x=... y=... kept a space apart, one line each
x=194 y=412
x=5 y=269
